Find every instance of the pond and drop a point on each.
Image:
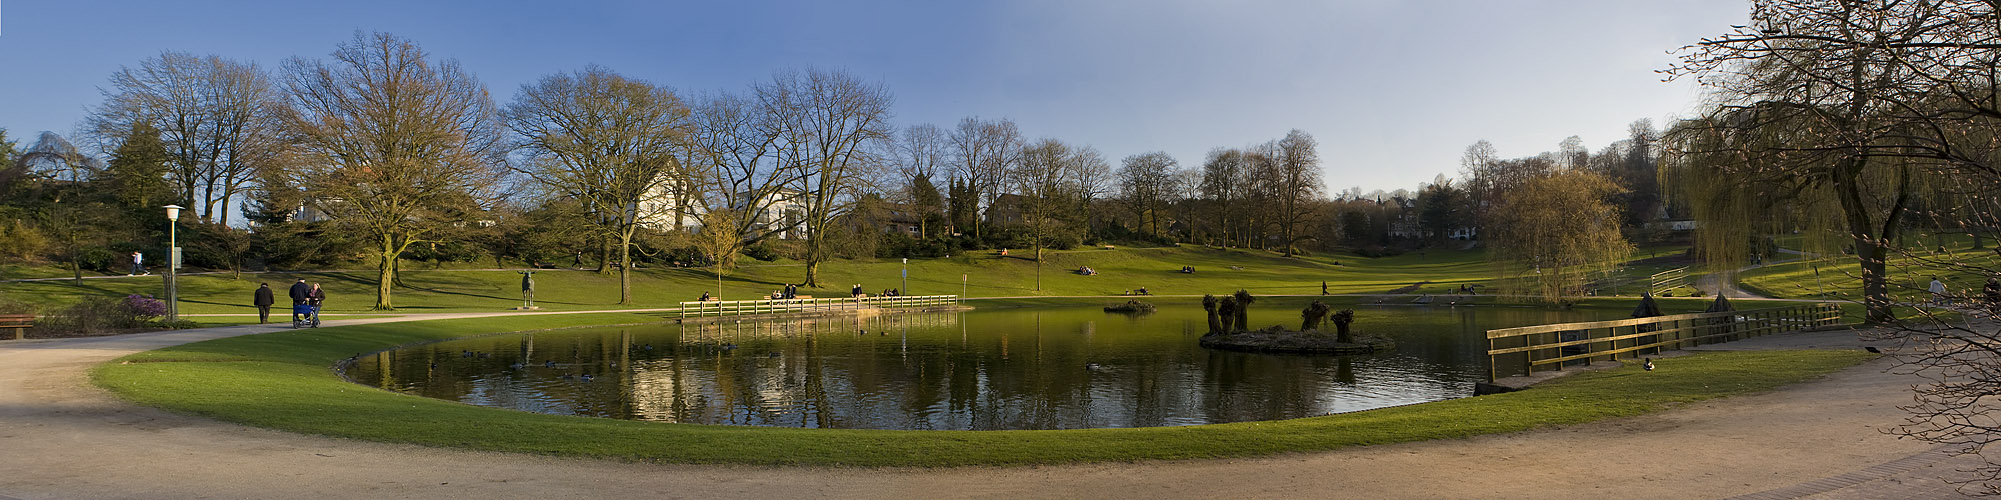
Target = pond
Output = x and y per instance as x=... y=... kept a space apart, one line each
x=988 y=369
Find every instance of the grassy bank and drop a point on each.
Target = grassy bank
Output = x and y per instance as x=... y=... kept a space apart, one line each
x=986 y=275
x=282 y=381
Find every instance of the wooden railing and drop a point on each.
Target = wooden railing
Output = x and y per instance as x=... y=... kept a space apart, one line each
x=1667 y=280
x=780 y=306
x=1530 y=348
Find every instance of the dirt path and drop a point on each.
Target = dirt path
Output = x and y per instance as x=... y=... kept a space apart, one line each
x=60 y=437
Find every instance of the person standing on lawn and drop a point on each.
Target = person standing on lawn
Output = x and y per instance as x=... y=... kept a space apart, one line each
x=263 y=301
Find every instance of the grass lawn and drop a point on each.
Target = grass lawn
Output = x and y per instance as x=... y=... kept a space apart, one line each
x=987 y=275
x=281 y=381
x=1838 y=277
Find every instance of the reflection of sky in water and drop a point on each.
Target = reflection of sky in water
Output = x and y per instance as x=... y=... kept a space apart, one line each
x=987 y=369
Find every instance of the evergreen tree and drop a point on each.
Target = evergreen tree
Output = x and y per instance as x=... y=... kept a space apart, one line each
x=137 y=175
x=964 y=208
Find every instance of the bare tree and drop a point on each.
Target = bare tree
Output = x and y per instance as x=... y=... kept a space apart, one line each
x=604 y=139
x=734 y=156
x=1298 y=162
x=218 y=119
x=392 y=143
x=1223 y=185
x=1145 y=181
x=832 y=124
x=921 y=151
x=1187 y=191
x=920 y=155
x=1092 y=176
x=983 y=153
x=1041 y=179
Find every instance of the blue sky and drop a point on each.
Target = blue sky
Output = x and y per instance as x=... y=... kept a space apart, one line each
x=1393 y=90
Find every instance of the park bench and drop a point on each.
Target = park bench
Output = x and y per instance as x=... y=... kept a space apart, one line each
x=19 y=322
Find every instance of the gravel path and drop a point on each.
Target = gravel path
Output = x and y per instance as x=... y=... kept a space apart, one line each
x=60 y=437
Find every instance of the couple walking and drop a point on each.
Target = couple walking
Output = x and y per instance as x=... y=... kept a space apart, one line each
x=301 y=294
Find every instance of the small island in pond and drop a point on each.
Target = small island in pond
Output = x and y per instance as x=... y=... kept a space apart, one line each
x=1134 y=306
x=1227 y=314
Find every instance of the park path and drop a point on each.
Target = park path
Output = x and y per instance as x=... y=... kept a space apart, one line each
x=61 y=437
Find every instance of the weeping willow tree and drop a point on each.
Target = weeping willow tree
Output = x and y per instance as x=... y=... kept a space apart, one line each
x=1553 y=231
x=1748 y=172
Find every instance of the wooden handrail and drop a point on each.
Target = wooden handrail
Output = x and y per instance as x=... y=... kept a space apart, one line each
x=764 y=306
x=1633 y=335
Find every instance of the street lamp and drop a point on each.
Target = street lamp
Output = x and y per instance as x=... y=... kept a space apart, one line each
x=906 y=278
x=173 y=263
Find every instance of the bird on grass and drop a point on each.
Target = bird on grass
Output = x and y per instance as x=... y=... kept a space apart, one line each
x=1650 y=364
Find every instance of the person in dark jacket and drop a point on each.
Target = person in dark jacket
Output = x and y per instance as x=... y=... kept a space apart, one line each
x=263 y=301
x=298 y=293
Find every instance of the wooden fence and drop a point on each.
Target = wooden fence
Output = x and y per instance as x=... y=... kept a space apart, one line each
x=779 y=306
x=1667 y=280
x=1531 y=348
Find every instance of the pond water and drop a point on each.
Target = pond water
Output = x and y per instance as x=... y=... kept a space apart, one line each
x=1011 y=368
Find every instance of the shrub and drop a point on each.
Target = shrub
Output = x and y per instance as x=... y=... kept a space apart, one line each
x=181 y=324
x=20 y=242
x=100 y=259
x=101 y=314
x=144 y=307
x=761 y=251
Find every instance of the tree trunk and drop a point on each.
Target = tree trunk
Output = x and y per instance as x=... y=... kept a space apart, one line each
x=1226 y=309
x=812 y=274
x=604 y=255
x=625 y=266
x=386 y=274
x=1209 y=304
x=1875 y=284
x=813 y=259
x=1038 y=262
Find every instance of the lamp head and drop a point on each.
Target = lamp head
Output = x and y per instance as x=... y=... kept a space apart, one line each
x=173 y=212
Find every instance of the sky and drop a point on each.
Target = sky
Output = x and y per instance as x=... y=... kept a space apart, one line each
x=1393 y=91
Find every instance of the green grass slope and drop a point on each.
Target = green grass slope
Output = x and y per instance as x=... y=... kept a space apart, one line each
x=986 y=275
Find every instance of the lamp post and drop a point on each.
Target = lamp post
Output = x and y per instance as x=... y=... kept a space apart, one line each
x=173 y=263
x=906 y=278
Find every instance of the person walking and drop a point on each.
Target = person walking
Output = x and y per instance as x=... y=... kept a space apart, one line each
x=1939 y=297
x=298 y=293
x=315 y=297
x=138 y=264
x=263 y=301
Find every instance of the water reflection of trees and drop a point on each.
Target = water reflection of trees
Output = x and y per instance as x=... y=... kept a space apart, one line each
x=1066 y=368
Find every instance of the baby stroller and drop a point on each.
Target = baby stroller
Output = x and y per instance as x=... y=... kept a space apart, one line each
x=305 y=316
